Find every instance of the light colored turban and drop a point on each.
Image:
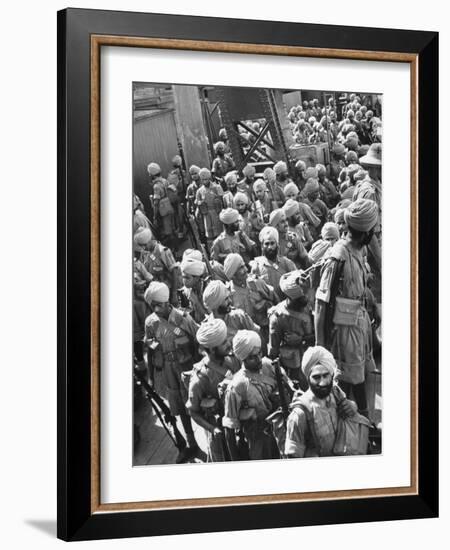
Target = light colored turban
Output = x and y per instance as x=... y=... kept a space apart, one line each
x=318 y=249
x=311 y=186
x=308 y=215
x=338 y=149
x=192 y=267
x=249 y=170
x=317 y=355
x=351 y=157
x=231 y=177
x=311 y=172
x=362 y=214
x=270 y=175
x=276 y=216
x=212 y=333
x=290 y=188
x=192 y=254
x=280 y=167
x=290 y=285
x=218 y=145
x=214 y=294
x=291 y=207
x=153 y=169
x=143 y=237
x=244 y=342
x=240 y=197
x=204 y=172
x=176 y=161
x=321 y=169
x=157 y=292
x=268 y=232
x=229 y=215
x=360 y=175
x=259 y=184
x=300 y=165
x=330 y=230
x=232 y=263
x=194 y=169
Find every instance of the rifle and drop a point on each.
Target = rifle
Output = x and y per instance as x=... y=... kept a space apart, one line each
x=162 y=411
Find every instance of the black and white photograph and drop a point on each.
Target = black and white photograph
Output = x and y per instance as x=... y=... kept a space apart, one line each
x=257 y=290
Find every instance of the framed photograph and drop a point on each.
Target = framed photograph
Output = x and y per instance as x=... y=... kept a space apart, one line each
x=247 y=299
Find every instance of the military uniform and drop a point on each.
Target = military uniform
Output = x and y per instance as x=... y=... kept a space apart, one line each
x=282 y=321
x=222 y=165
x=204 y=399
x=167 y=225
x=196 y=306
x=161 y=265
x=174 y=340
x=249 y=399
x=271 y=272
x=291 y=246
x=209 y=202
x=237 y=319
x=226 y=244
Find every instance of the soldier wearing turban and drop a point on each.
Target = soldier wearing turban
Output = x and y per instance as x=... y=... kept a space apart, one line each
x=217 y=299
x=245 y=185
x=282 y=174
x=263 y=204
x=209 y=201
x=291 y=327
x=232 y=239
x=192 y=188
x=170 y=339
x=193 y=271
x=310 y=197
x=249 y=293
x=318 y=410
x=349 y=333
x=223 y=162
x=205 y=400
x=270 y=266
x=328 y=192
x=249 y=399
x=231 y=183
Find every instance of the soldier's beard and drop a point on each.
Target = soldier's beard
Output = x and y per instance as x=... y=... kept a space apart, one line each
x=322 y=391
x=271 y=254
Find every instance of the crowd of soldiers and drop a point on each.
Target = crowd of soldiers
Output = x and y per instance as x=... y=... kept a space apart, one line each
x=265 y=327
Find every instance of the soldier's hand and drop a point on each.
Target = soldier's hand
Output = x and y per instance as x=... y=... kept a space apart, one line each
x=217 y=432
x=346 y=408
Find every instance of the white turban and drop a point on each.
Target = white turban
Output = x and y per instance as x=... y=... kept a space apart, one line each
x=143 y=237
x=291 y=207
x=153 y=169
x=269 y=174
x=312 y=186
x=300 y=165
x=240 y=197
x=318 y=249
x=290 y=284
x=157 y=292
x=280 y=167
x=259 y=184
x=192 y=267
x=268 y=232
x=229 y=215
x=232 y=263
x=330 y=230
x=361 y=215
x=311 y=172
x=192 y=254
x=317 y=355
x=219 y=145
x=244 y=342
x=194 y=169
x=290 y=188
x=212 y=333
x=214 y=295
x=230 y=177
x=248 y=170
x=276 y=216
x=204 y=172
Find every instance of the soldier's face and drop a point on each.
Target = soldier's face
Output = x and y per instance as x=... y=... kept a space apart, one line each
x=313 y=196
x=269 y=248
x=205 y=180
x=260 y=194
x=162 y=309
x=189 y=280
x=342 y=226
x=320 y=381
x=283 y=176
x=282 y=226
x=195 y=176
x=291 y=195
x=231 y=184
x=223 y=350
x=241 y=275
x=234 y=226
x=241 y=206
x=225 y=306
x=254 y=360
x=331 y=240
